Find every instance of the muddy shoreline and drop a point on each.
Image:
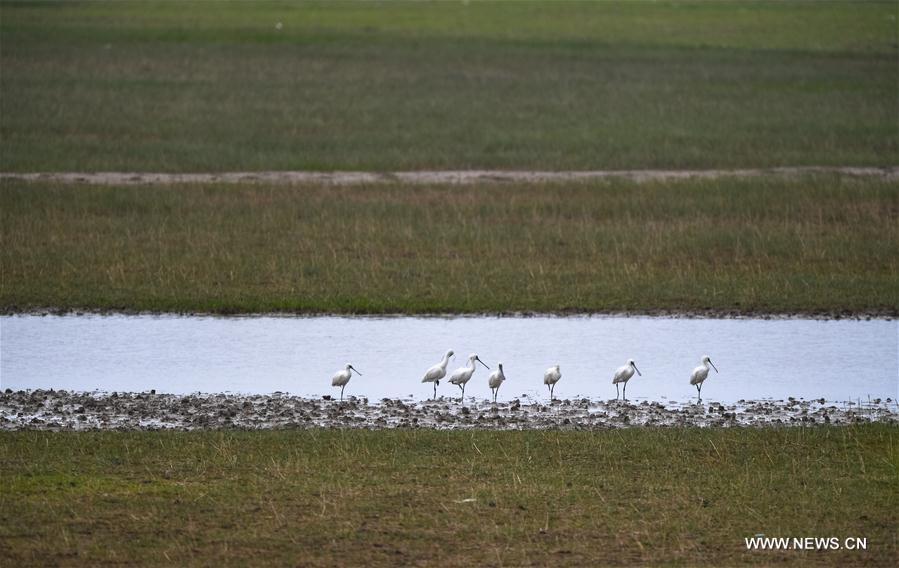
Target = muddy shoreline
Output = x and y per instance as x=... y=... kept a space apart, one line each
x=81 y=411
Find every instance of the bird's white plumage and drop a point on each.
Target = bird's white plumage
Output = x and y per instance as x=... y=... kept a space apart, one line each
x=701 y=373
x=623 y=374
x=552 y=375
x=463 y=374
x=342 y=377
x=496 y=378
x=438 y=371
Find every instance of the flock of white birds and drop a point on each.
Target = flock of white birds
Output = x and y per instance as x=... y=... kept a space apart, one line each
x=551 y=376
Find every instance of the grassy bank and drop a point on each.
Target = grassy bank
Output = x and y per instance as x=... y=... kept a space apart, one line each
x=811 y=244
x=684 y=496
x=175 y=86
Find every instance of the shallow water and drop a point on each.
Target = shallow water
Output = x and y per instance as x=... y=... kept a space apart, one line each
x=838 y=360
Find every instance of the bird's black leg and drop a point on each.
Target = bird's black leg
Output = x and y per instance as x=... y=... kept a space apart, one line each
x=617 y=393
x=699 y=389
x=341 y=392
x=552 y=389
x=624 y=391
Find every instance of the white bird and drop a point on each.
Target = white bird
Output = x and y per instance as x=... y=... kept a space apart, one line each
x=495 y=380
x=700 y=374
x=463 y=374
x=342 y=377
x=437 y=372
x=623 y=375
x=550 y=377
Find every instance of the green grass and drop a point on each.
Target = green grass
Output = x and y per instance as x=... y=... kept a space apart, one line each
x=180 y=86
x=679 y=496
x=808 y=244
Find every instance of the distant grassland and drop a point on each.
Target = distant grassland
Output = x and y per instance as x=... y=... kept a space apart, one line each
x=192 y=86
x=810 y=244
x=350 y=498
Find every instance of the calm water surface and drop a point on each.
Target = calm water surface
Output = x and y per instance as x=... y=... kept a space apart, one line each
x=837 y=360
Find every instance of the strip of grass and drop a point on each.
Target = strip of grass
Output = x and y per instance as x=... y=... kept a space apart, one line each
x=812 y=244
x=181 y=86
x=682 y=496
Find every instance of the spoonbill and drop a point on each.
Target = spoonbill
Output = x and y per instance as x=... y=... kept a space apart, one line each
x=550 y=377
x=623 y=375
x=437 y=372
x=495 y=380
x=342 y=377
x=700 y=374
x=463 y=374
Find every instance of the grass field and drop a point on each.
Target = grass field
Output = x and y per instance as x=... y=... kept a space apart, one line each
x=679 y=496
x=180 y=86
x=810 y=244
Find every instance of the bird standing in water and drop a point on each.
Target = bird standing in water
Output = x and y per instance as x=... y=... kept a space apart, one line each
x=463 y=374
x=495 y=380
x=700 y=374
x=437 y=372
x=550 y=378
x=623 y=375
x=342 y=377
